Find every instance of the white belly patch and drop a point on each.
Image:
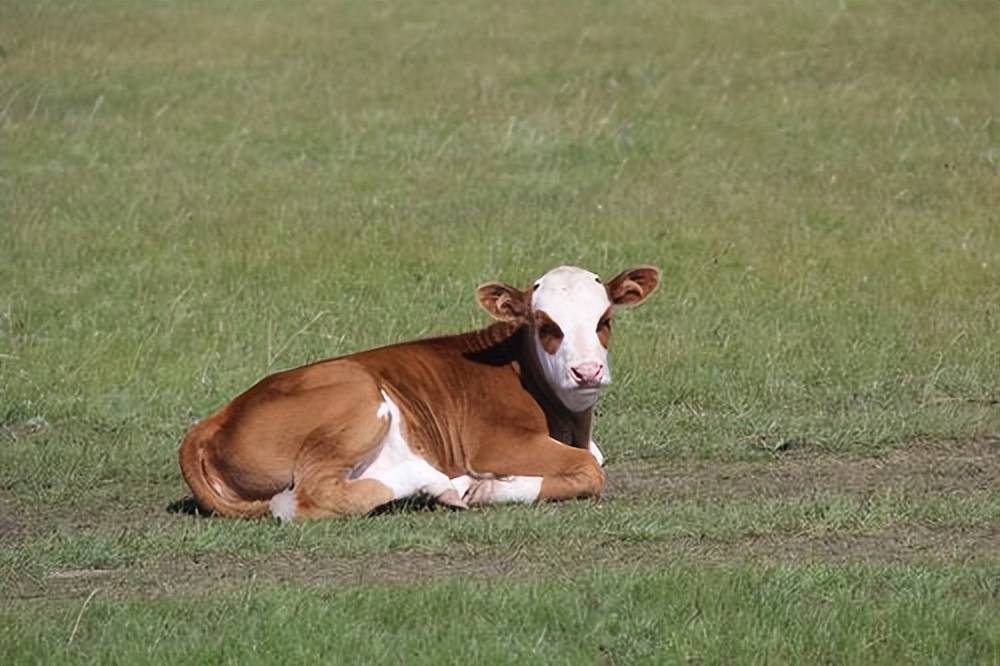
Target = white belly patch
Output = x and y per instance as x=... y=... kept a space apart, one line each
x=396 y=465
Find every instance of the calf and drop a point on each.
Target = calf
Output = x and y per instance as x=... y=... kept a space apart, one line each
x=473 y=418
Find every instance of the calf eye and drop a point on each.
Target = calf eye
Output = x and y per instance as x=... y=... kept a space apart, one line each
x=549 y=334
x=548 y=330
x=604 y=330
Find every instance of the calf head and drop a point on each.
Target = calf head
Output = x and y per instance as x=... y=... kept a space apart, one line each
x=568 y=311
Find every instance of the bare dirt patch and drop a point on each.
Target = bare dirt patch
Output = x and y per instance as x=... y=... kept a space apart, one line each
x=10 y=527
x=202 y=575
x=922 y=467
x=919 y=468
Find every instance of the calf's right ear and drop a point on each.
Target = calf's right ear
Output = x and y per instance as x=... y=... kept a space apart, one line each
x=503 y=301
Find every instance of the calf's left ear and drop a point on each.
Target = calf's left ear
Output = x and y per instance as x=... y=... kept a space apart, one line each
x=634 y=285
x=503 y=301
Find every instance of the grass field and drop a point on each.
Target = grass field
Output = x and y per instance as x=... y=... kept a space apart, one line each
x=804 y=432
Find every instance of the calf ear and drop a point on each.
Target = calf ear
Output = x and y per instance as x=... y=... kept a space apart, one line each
x=632 y=286
x=502 y=301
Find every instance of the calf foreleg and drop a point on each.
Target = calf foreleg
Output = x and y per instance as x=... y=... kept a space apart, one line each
x=526 y=469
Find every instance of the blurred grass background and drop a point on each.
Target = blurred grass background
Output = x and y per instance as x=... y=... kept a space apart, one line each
x=196 y=195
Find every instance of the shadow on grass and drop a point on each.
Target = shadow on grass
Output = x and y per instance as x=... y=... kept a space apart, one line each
x=407 y=505
x=189 y=507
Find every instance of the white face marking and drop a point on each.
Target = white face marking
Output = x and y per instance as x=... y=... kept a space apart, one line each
x=397 y=466
x=575 y=300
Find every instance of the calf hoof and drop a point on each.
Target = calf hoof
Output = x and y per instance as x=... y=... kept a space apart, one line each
x=481 y=491
x=452 y=499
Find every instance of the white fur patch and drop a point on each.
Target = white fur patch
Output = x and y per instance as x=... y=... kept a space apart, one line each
x=462 y=484
x=517 y=489
x=490 y=490
x=397 y=466
x=283 y=506
x=596 y=452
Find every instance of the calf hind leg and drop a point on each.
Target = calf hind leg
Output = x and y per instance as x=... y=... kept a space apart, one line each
x=403 y=471
x=331 y=496
x=321 y=486
x=362 y=464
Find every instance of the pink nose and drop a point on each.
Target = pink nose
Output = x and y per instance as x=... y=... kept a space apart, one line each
x=587 y=373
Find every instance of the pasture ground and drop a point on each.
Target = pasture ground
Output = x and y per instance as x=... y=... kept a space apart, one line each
x=804 y=431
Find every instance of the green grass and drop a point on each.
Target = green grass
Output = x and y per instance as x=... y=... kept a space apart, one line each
x=573 y=534
x=194 y=195
x=732 y=614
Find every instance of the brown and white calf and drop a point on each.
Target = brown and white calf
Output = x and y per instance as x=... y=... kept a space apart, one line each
x=474 y=418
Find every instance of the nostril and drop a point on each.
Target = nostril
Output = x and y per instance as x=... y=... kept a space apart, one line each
x=587 y=372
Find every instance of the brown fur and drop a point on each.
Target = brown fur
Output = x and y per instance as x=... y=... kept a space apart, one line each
x=474 y=403
x=470 y=403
